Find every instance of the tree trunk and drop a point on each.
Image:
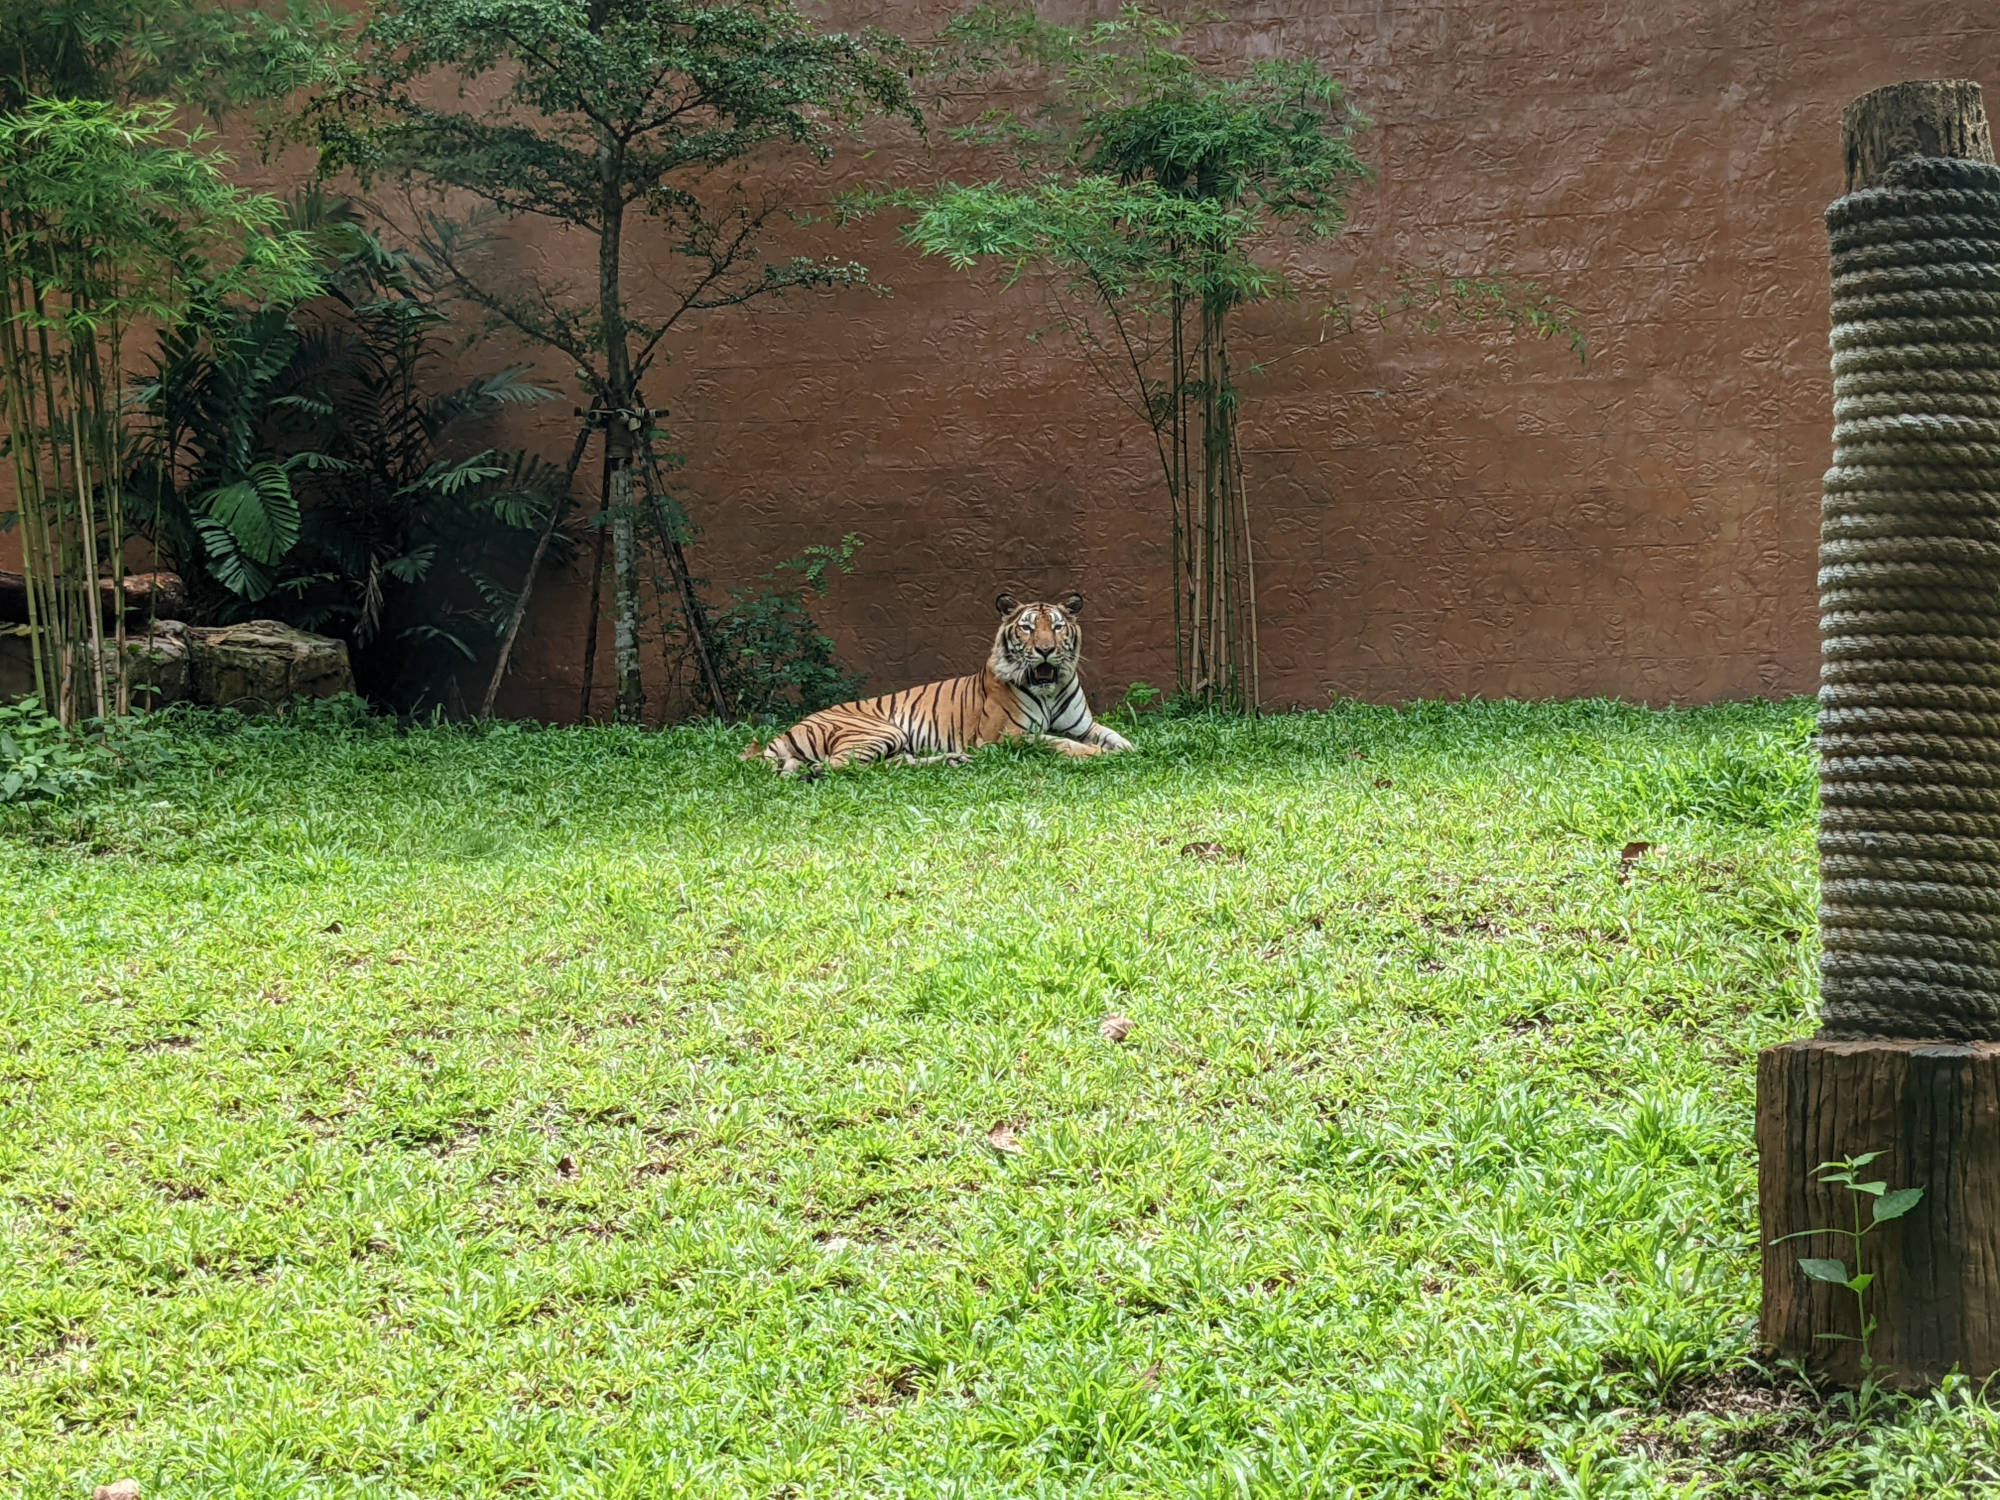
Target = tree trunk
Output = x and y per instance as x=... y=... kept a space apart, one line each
x=1925 y=117
x=596 y=617
x=160 y=596
x=625 y=591
x=1909 y=738
x=621 y=431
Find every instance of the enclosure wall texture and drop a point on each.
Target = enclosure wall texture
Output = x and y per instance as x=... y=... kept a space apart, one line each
x=1435 y=514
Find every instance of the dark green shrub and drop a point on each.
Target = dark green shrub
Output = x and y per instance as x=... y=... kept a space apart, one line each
x=773 y=660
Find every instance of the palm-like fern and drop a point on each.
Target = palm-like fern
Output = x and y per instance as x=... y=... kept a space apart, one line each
x=301 y=460
x=400 y=496
x=220 y=494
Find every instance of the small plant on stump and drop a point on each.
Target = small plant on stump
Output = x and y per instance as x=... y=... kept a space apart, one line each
x=1885 y=1205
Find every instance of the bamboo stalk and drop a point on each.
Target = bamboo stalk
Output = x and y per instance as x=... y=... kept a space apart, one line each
x=25 y=452
x=1182 y=574
x=112 y=457
x=86 y=526
x=61 y=557
x=1250 y=581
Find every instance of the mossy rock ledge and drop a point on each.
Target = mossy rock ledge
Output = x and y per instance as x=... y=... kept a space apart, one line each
x=254 y=665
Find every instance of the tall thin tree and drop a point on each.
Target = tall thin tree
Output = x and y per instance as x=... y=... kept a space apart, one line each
x=1148 y=187
x=602 y=116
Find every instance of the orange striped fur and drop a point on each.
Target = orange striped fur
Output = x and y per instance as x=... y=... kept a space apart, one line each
x=1028 y=687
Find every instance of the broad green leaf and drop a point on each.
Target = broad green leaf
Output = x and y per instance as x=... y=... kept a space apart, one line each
x=1876 y=1189
x=259 y=512
x=1895 y=1205
x=1824 y=1270
x=1859 y=1284
x=413 y=565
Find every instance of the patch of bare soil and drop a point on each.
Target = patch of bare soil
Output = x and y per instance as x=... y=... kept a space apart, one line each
x=1707 y=1423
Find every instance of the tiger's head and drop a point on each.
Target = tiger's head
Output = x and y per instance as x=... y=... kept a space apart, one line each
x=1038 y=645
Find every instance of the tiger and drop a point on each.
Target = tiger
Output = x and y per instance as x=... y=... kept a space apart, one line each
x=1028 y=688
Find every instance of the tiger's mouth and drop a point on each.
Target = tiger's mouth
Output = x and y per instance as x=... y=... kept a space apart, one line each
x=1043 y=673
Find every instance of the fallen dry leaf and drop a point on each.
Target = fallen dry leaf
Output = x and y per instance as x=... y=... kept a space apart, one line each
x=1150 y=1376
x=1383 y=781
x=566 y=1167
x=1115 y=1028
x=1001 y=1139
x=124 y=1489
x=1629 y=856
x=1204 y=849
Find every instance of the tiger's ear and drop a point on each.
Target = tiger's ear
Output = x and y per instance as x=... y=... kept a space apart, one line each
x=1074 y=604
x=1006 y=604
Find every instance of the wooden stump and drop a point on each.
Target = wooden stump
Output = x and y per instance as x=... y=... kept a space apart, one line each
x=1933 y=1110
x=1926 y=117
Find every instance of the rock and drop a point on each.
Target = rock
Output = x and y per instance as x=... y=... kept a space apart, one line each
x=264 y=664
x=157 y=661
x=162 y=662
x=124 y=1489
x=256 y=666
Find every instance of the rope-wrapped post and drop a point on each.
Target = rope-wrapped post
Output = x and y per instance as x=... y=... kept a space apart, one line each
x=1907 y=1063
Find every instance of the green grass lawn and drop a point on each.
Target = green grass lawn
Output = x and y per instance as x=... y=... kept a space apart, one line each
x=585 y=1113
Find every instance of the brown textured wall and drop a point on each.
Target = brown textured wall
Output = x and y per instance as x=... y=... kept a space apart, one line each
x=1435 y=516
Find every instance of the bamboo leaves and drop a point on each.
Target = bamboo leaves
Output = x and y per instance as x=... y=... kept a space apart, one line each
x=106 y=215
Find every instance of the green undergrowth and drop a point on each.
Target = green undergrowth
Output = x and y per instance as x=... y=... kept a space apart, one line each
x=587 y=1113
